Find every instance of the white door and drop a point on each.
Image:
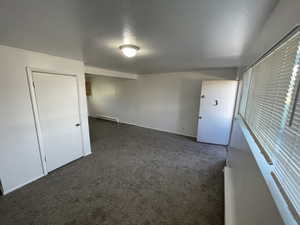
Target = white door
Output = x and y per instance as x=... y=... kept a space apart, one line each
x=58 y=115
x=217 y=104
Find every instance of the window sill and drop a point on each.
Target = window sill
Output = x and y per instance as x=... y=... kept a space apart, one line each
x=266 y=170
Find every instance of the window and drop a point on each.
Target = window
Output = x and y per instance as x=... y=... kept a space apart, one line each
x=245 y=90
x=270 y=106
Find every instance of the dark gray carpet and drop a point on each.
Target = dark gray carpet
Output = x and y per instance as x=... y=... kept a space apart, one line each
x=135 y=176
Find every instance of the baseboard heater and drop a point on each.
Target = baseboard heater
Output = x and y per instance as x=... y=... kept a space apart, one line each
x=109 y=118
x=229 y=220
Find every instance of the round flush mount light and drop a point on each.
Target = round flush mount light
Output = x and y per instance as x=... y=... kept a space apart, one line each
x=129 y=50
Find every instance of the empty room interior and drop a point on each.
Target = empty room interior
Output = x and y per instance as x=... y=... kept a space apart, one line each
x=135 y=112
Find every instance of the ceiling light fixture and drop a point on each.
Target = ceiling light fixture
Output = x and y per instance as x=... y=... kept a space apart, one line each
x=129 y=50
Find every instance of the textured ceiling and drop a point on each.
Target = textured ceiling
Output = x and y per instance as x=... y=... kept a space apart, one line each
x=174 y=35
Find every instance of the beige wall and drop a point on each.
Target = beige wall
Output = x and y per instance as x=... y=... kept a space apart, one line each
x=167 y=102
x=20 y=162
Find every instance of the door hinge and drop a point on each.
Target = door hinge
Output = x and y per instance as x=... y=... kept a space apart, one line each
x=45 y=159
x=33 y=84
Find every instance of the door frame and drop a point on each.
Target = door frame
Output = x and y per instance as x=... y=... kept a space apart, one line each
x=30 y=71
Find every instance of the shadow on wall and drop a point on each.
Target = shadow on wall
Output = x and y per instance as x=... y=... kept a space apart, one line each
x=188 y=113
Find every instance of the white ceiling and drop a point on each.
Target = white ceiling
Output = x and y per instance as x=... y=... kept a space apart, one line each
x=174 y=35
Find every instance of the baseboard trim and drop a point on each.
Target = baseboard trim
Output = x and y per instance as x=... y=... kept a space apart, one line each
x=109 y=118
x=157 y=129
x=152 y=128
x=5 y=192
x=87 y=154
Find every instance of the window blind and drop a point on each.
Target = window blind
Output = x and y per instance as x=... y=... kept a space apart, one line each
x=245 y=89
x=270 y=106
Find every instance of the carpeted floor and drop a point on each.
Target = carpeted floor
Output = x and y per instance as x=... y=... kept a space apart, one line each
x=135 y=176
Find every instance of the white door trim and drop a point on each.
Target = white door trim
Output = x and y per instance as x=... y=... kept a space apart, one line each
x=30 y=71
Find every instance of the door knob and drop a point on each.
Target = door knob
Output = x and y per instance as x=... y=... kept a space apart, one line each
x=200 y=117
x=216 y=102
x=77 y=124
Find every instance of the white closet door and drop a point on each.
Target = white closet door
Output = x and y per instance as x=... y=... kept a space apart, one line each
x=216 y=111
x=58 y=112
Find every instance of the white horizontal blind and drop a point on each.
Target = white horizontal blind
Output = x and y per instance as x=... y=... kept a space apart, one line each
x=287 y=164
x=245 y=89
x=272 y=112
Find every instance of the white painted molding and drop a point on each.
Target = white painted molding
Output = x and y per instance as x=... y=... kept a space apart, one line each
x=5 y=192
x=30 y=71
x=36 y=118
x=109 y=73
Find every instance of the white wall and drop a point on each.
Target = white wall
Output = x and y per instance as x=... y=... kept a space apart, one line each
x=19 y=155
x=167 y=102
x=284 y=17
x=251 y=201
